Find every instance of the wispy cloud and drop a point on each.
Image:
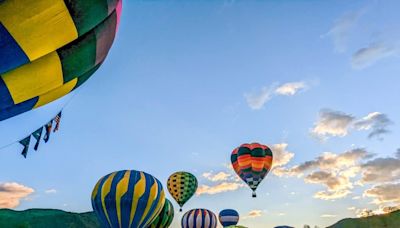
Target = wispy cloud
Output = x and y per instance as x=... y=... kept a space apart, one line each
x=367 y=56
x=221 y=176
x=253 y=214
x=377 y=122
x=257 y=100
x=328 y=216
x=51 y=191
x=332 y=195
x=342 y=28
x=218 y=188
x=338 y=124
x=290 y=89
x=12 y=193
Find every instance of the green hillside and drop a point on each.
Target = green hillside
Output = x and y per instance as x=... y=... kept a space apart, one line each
x=391 y=220
x=45 y=218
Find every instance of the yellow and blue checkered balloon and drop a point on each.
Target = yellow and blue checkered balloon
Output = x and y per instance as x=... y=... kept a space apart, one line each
x=128 y=198
x=48 y=48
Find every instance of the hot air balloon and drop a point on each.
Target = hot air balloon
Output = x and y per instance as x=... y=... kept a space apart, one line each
x=228 y=217
x=48 y=48
x=252 y=163
x=182 y=186
x=127 y=198
x=164 y=219
x=199 y=218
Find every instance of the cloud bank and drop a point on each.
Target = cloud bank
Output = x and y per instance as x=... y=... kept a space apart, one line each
x=12 y=193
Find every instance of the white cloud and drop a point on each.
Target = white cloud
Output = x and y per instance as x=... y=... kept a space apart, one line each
x=367 y=56
x=290 y=89
x=376 y=122
x=332 y=195
x=333 y=171
x=385 y=193
x=12 y=193
x=257 y=100
x=381 y=170
x=331 y=180
x=219 y=188
x=253 y=214
x=330 y=162
x=221 y=176
x=281 y=155
x=338 y=124
x=332 y=123
x=50 y=191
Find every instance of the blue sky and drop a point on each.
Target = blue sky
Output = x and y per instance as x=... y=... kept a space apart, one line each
x=188 y=81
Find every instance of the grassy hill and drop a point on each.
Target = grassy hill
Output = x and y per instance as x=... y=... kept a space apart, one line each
x=45 y=218
x=391 y=220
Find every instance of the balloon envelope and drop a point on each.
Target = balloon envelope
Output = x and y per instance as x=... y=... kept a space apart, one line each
x=228 y=217
x=48 y=48
x=164 y=219
x=199 y=218
x=127 y=198
x=182 y=186
x=252 y=163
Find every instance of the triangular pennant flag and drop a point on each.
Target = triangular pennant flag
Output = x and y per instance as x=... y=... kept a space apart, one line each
x=48 y=127
x=57 y=119
x=37 y=134
x=25 y=142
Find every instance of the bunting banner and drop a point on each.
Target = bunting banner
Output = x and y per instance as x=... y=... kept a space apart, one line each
x=57 y=120
x=48 y=128
x=25 y=142
x=37 y=135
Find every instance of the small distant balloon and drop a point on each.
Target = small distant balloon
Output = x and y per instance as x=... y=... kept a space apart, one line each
x=182 y=186
x=252 y=162
x=199 y=218
x=228 y=217
x=127 y=198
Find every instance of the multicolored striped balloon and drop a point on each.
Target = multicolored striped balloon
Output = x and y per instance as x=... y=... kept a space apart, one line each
x=50 y=47
x=199 y=218
x=252 y=162
x=228 y=217
x=164 y=219
x=182 y=186
x=127 y=198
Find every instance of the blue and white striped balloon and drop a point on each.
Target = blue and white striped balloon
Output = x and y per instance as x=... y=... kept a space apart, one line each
x=199 y=218
x=228 y=217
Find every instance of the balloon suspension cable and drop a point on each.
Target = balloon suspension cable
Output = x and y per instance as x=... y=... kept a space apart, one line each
x=254 y=194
